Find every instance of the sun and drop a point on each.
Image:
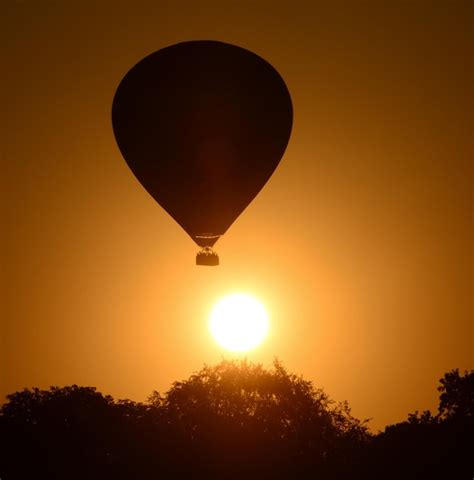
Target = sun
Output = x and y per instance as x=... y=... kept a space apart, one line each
x=238 y=322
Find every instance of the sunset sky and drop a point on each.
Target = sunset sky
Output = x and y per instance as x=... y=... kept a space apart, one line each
x=360 y=245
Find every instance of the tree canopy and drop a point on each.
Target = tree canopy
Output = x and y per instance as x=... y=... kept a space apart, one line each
x=233 y=420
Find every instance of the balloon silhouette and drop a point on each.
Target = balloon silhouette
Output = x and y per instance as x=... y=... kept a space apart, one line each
x=202 y=125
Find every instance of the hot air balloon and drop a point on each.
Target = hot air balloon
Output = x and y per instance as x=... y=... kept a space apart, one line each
x=202 y=125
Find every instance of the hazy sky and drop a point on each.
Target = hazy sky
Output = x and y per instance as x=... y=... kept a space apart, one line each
x=360 y=245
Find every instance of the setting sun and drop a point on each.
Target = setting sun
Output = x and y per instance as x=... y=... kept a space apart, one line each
x=239 y=322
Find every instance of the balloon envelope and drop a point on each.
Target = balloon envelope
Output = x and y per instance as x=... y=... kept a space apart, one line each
x=202 y=125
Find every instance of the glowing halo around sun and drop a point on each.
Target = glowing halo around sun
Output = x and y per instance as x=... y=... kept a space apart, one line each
x=238 y=322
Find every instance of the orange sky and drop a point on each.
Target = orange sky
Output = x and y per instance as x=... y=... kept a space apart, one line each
x=360 y=244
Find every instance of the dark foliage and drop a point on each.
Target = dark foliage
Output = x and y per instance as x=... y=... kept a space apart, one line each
x=431 y=446
x=235 y=420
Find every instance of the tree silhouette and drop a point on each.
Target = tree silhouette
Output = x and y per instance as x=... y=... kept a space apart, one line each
x=240 y=416
x=457 y=394
x=431 y=446
x=235 y=420
x=70 y=432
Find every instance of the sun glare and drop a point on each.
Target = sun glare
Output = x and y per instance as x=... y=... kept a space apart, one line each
x=239 y=322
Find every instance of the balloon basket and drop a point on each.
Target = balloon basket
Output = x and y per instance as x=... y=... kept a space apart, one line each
x=207 y=257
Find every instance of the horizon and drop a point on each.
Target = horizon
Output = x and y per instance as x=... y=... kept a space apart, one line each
x=148 y=400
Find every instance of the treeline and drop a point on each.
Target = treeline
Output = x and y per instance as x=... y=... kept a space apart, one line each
x=235 y=420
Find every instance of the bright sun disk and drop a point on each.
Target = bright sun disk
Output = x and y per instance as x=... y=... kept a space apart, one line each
x=239 y=322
